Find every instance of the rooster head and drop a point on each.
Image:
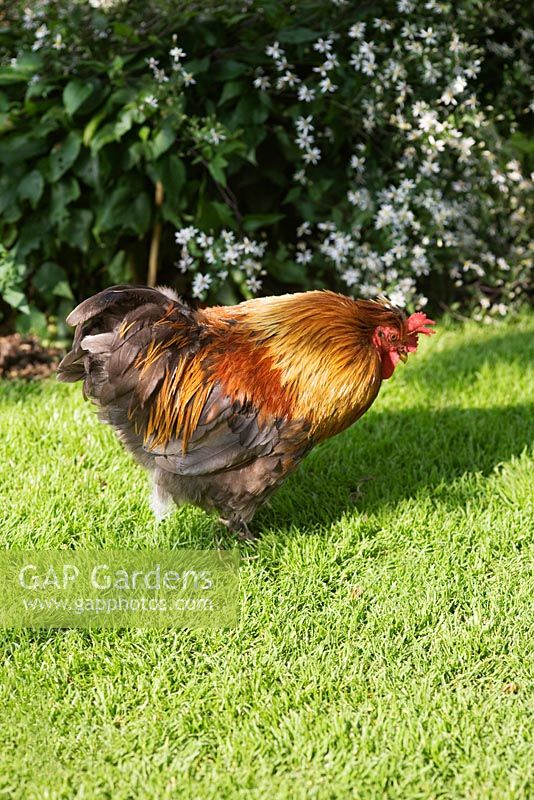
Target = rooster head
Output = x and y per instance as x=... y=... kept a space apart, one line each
x=394 y=343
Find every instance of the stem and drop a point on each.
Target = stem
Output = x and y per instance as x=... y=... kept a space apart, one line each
x=153 y=257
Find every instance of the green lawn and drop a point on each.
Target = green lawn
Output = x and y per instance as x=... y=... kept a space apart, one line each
x=385 y=647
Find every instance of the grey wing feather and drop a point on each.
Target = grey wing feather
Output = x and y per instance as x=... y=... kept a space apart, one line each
x=227 y=436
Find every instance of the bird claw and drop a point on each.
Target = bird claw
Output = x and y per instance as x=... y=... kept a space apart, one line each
x=244 y=534
x=357 y=492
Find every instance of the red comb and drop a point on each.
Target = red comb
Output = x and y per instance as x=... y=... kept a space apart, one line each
x=416 y=323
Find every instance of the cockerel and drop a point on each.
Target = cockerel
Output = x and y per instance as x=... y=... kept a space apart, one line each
x=221 y=404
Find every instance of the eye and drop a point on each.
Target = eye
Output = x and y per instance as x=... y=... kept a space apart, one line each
x=394 y=338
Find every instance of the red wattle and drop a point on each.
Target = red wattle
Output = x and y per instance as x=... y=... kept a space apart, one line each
x=390 y=359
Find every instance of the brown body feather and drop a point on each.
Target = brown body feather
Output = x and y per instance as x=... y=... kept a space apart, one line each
x=221 y=404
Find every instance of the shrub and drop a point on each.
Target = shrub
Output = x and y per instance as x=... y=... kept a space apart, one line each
x=247 y=148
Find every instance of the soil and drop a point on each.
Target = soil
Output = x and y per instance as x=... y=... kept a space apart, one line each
x=25 y=357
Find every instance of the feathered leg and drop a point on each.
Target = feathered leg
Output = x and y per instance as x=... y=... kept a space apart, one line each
x=240 y=527
x=160 y=501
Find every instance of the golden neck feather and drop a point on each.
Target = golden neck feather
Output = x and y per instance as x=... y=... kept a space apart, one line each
x=329 y=370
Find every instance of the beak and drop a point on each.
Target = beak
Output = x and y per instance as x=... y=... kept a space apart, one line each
x=403 y=355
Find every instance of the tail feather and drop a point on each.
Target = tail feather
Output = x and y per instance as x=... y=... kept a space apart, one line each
x=96 y=320
x=122 y=298
x=127 y=339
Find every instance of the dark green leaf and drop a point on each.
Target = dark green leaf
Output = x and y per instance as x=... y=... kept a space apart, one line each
x=16 y=299
x=51 y=280
x=226 y=70
x=31 y=187
x=164 y=139
x=76 y=229
x=62 y=194
x=216 y=169
x=74 y=95
x=20 y=147
x=64 y=155
x=297 y=35
x=230 y=90
x=33 y=322
x=254 y=221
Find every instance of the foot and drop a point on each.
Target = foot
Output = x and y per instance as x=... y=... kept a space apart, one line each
x=244 y=534
x=357 y=492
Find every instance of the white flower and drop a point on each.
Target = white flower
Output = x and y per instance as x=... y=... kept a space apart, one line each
x=289 y=79
x=274 y=51
x=188 y=78
x=151 y=101
x=360 y=198
x=428 y=120
x=369 y=66
x=215 y=137
x=305 y=94
x=383 y=25
x=429 y=168
x=326 y=85
x=514 y=170
x=428 y=35
x=405 y=6
x=161 y=76
x=330 y=63
x=464 y=145
x=186 y=261
x=40 y=35
x=184 y=235
x=262 y=82
x=437 y=144
x=388 y=259
x=58 y=42
x=105 y=5
x=304 y=256
x=200 y=284
x=386 y=216
x=397 y=298
x=473 y=69
x=304 y=141
x=177 y=53
x=458 y=84
x=248 y=246
x=323 y=45
x=351 y=276
x=231 y=255
x=253 y=284
x=431 y=73
x=357 y=31
x=304 y=229
x=447 y=98
x=358 y=163
x=304 y=124
x=312 y=156
x=420 y=260
x=203 y=240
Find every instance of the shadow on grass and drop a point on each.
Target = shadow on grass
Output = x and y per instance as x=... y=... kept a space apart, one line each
x=410 y=450
x=467 y=358
x=403 y=452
